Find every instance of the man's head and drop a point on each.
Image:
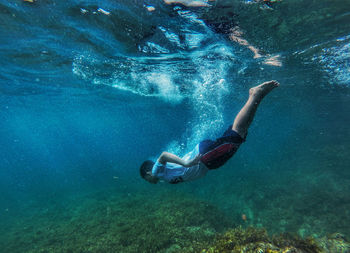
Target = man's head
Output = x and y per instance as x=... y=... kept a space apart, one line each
x=146 y=172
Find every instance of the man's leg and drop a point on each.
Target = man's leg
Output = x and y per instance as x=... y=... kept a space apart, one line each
x=245 y=117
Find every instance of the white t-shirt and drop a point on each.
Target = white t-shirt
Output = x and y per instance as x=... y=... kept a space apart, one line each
x=175 y=173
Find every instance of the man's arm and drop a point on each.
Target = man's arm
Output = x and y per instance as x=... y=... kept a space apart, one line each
x=171 y=158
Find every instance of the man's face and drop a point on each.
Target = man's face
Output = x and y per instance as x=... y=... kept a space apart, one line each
x=150 y=178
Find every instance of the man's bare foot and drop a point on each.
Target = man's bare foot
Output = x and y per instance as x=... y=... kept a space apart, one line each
x=263 y=89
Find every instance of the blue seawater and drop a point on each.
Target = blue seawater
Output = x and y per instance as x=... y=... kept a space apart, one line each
x=91 y=89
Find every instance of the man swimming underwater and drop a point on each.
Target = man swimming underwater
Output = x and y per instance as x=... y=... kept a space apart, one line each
x=208 y=154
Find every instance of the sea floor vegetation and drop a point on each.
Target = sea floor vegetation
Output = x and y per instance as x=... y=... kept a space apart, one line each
x=167 y=222
x=114 y=224
x=257 y=240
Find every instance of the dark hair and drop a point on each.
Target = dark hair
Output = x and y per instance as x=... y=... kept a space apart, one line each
x=146 y=167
